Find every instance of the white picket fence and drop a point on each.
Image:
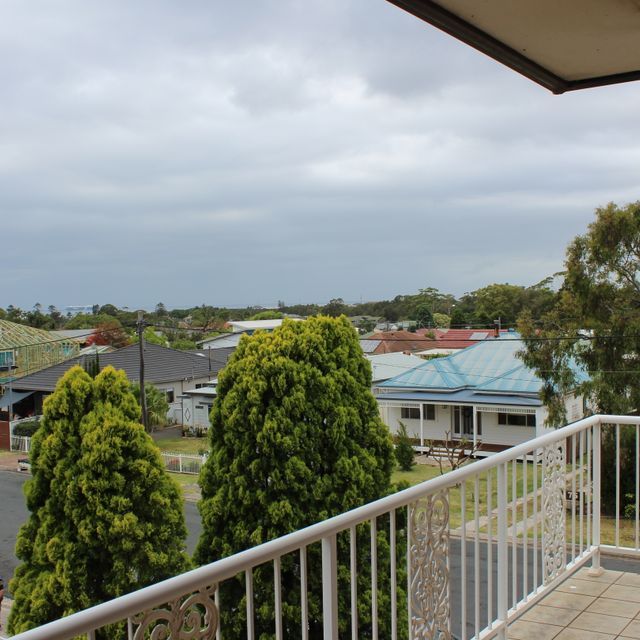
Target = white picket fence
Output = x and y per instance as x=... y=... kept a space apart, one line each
x=183 y=462
x=175 y=462
x=20 y=443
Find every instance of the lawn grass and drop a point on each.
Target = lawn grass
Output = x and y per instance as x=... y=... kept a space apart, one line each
x=188 y=485
x=183 y=445
x=419 y=473
x=488 y=502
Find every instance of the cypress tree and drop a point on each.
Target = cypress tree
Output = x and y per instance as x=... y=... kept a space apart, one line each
x=296 y=437
x=106 y=518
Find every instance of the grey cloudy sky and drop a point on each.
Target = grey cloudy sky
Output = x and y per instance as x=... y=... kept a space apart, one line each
x=263 y=150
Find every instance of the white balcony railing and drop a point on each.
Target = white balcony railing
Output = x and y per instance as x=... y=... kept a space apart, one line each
x=465 y=553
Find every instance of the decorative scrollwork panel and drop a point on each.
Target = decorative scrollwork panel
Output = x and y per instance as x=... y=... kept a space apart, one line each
x=429 y=567
x=553 y=511
x=192 y=617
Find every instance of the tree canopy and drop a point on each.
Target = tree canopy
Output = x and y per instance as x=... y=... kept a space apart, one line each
x=423 y=316
x=106 y=518
x=157 y=405
x=295 y=438
x=596 y=320
x=596 y=324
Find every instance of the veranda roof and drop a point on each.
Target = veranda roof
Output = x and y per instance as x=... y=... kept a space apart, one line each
x=567 y=45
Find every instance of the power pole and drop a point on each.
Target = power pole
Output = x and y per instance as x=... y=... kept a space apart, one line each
x=143 y=397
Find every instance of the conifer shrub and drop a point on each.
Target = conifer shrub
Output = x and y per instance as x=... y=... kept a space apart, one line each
x=105 y=517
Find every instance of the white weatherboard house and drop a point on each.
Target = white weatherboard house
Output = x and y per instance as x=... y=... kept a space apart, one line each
x=483 y=394
x=196 y=406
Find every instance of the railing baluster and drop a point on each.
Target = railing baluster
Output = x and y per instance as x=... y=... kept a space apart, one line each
x=503 y=555
x=304 y=593
x=637 y=501
x=392 y=562
x=463 y=558
x=525 y=530
x=574 y=470
x=595 y=560
x=91 y=635
x=409 y=542
x=476 y=550
x=582 y=496
x=130 y=628
x=589 y=486
x=489 y=552
x=514 y=533
x=330 y=587
x=354 y=581
x=617 y=485
x=216 y=599
x=374 y=578
x=249 y=594
x=277 y=583
x=536 y=518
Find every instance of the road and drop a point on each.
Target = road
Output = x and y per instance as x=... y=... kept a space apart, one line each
x=13 y=513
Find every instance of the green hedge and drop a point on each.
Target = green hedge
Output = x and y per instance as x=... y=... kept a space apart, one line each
x=26 y=428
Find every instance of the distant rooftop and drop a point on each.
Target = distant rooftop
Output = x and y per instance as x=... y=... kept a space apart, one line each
x=490 y=366
x=254 y=325
x=389 y=365
x=161 y=365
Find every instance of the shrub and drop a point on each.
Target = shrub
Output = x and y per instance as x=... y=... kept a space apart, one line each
x=26 y=428
x=404 y=451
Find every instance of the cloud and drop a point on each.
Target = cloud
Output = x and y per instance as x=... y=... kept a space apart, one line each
x=249 y=152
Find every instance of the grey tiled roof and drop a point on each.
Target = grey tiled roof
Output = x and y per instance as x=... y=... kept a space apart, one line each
x=160 y=365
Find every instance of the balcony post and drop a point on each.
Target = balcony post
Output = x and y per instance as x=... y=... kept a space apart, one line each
x=503 y=552
x=330 y=587
x=596 y=569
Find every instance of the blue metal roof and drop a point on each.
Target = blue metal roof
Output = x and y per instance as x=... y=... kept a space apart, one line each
x=490 y=365
x=464 y=396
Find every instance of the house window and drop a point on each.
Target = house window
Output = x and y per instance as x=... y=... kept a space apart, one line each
x=170 y=395
x=410 y=413
x=429 y=411
x=6 y=360
x=517 y=419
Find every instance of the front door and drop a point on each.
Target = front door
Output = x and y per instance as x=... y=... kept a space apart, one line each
x=463 y=422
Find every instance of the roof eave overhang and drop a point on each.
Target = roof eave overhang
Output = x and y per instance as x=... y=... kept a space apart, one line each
x=455 y=26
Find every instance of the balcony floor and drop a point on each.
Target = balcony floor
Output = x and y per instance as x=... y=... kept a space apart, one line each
x=585 y=607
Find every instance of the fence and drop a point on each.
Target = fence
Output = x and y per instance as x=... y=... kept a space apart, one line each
x=175 y=462
x=20 y=443
x=462 y=555
x=183 y=463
